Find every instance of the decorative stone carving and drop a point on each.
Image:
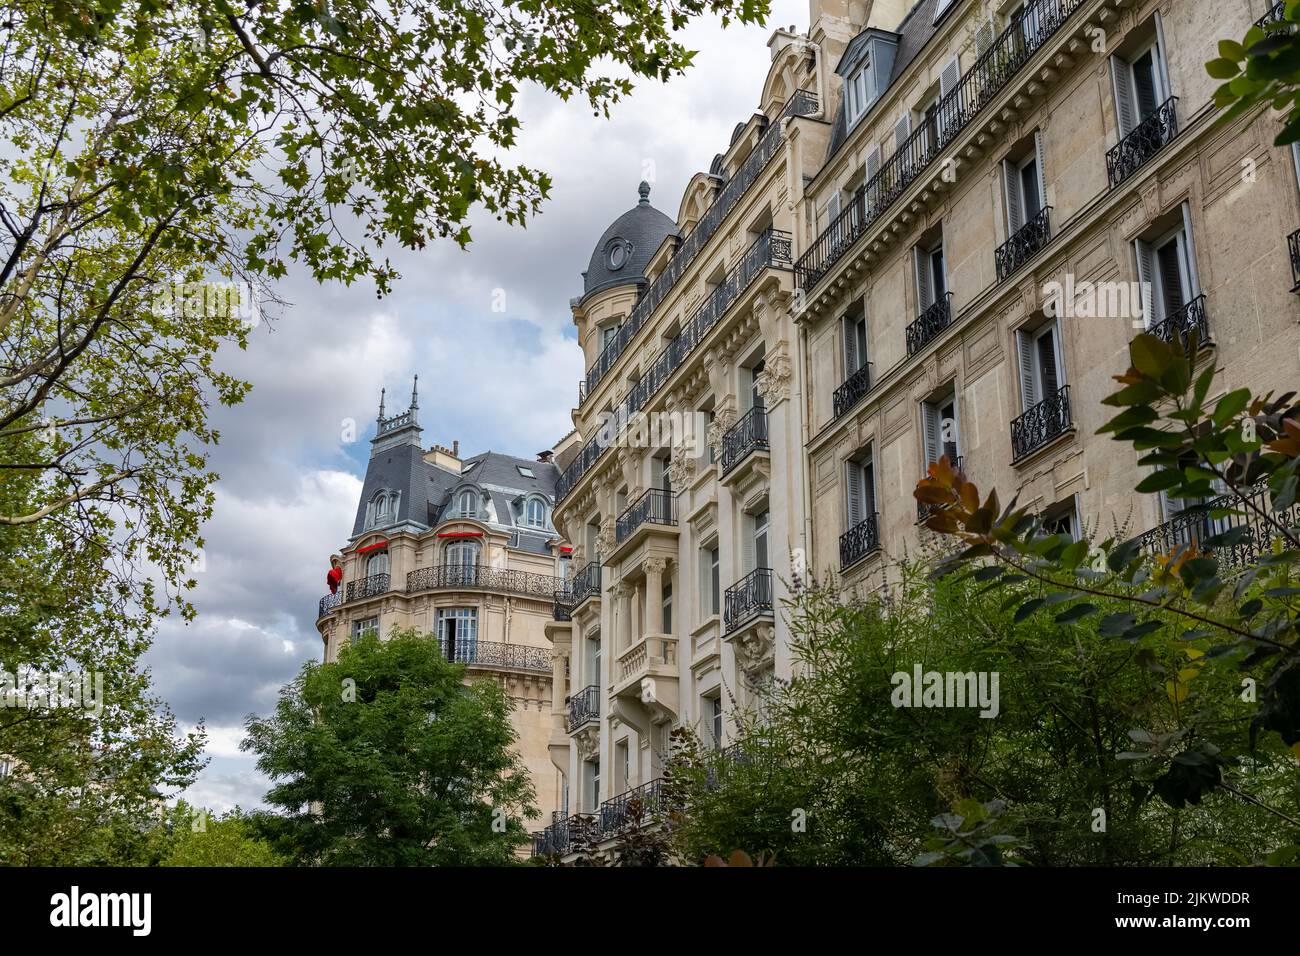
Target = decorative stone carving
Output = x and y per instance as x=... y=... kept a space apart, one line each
x=774 y=380
x=723 y=419
x=605 y=540
x=655 y=565
x=754 y=649
x=681 y=469
x=588 y=742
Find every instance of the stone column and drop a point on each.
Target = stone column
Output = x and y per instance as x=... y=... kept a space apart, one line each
x=654 y=593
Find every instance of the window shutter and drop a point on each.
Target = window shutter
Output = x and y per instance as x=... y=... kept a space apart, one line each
x=1295 y=160
x=1193 y=280
x=924 y=291
x=873 y=162
x=1047 y=363
x=1042 y=169
x=949 y=80
x=985 y=35
x=850 y=346
x=902 y=129
x=1028 y=383
x=868 y=489
x=854 y=477
x=1161 y=65
x=1121 y=76
x=1146 y=277
x=1011 y=190
x=930 y=419
x=751 y=526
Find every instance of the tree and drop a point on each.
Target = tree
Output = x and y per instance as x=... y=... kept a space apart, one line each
x=1264 y=67
x=387 y=758
x=202 y=839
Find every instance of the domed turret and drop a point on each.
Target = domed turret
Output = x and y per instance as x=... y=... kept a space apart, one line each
x=621 y=255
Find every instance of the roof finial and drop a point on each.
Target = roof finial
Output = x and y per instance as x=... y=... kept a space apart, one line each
x=644 y=190
x=415 y=398
x=381 y=404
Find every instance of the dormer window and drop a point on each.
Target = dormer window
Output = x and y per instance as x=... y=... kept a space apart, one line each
x=859 y=92
x=536 y=513
x=383 y=508
x=468 y=503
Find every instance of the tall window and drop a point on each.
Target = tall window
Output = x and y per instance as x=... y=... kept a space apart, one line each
x=536 y=513
x=1167 y=272
x=755 y=375
x=855 y=344
x=1022 y=187
x=713 y=714
x=941 y=432
x=591 y=769
x=623 y=766
x=593 y=661
x=462 y=561
x=1140 y=81
x=377 y=563
x=468 y=503
x=458 y=633
x=668 y=607
x=931 y=280
x=715 y=581
x=861 y=484
x=757 y=545
x=607 y=336
x=1042 y=372
x=859 y=92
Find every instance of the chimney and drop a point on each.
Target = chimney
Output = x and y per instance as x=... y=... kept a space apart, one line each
x=444 y=457
x=455 y=448
x=544 y=456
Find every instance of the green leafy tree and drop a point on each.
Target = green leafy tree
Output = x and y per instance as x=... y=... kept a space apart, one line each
x=387 y=758
x=201 y=839
x=1263 y=68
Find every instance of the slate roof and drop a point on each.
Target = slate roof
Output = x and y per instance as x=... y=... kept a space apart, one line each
x=640 y=231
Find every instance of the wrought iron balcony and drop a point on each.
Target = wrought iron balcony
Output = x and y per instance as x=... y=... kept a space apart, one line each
x=585 y=584
x=517 y=657
x=923 y=508
x=986 y=78
x=853 y=390
x=656 y=506
x=560 y=836
x=1178 y=328
x=748 y=598
x=614 y=811
x=1042 y=423
x=329 y=602
x=1149 y=137
x=770 y=250
x=802 y=103
x=929 y=324
x=859 y=541
x=1193 y=528
x=747 y=435
x=371 y=586
x=562 y=606
x=1024 y=244
x=483 y=577
x=1293 y=243
x=1276 y=14
x=584 y=707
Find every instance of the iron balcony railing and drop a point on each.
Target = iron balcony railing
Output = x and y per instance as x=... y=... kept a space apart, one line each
x=585 y=584
x=748 y=598
x=929 y=324
x=562 y=606
x=370 y=586
x=1027 y=241
x=1276 y=14
x=859 y=541
x=1192 y=528
x=1293 y=242
x=802 y=103
x=1149 y=137
x=614 y=811
x=987 y=77
x=924 y=508
x=1178 y=328
x=771 y=249
x=485 y=577
x=496 y=654
x=655 y=506
x=853 y=390
x=747 y=435
x=1040 y=424
x=329 y=602
x=584 y=707
x=560 y=836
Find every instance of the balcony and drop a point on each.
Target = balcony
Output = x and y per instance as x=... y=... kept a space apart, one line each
x=1276 y=14
x=987 y=77
x=371 y=586
x=771 y=249
x=494 y=654
x=584 y=707
x=1293 y=242
x=483 y=577
x=614 y=811
x=1191 y=529
x=1041 y=425
x=1029 y=240
x=653 y=507
x=859 y=541
x=1151 y=135
x=929 y=324
x=924 y=508
x=1178 y=328
x=748 y=598
x=585 y=584
x=562 y=606
x=747 y=435
x=853 y=390
x=328 y=603
x=801 y=103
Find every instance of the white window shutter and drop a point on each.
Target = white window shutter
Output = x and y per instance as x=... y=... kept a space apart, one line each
x=853 y=475
x=1121 y=77
x=902 y=129
x=949 y=80
x=930 y=420
x=851 y=360
x=1193 y=279
x=1162 y=65
x=1042 y=168
x=1028 y=381
x=873 y=162
x=1011 y=192
x=924 y=290
x=985 y=36
x=751 y=528
x=1146 y=264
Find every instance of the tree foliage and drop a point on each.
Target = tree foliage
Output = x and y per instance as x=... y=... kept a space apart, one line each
x=1263 y=68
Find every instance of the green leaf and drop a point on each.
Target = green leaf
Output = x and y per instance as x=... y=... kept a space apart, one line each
x=1076 y=613
x=1028 y=608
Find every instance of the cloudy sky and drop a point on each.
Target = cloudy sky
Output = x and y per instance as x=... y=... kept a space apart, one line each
x=492 y=380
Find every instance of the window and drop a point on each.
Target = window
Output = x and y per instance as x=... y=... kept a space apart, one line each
x=377 y=563
x=458 y=633
x=1042 y=370
x=607 y=336
x=1140 y=82
x=709 y=416
x=592 y=785
x=861 y=486
x=755 y=375
x=1028 y=21
x=536 y=513
x=1063 y=518
x=855 y=344
x=592 y=662
x=623 y=765
x=6 y=767
x=939 y=422
x=931 y=282
x=468 y=503
x=463 y=555
x=712 y=581
x=662 y=475
x=525 y=472
x=369 y=625
x=668 y=607
x=1023 y=188
x=383 y=508
x=859 y=92
x=1167 y=272
x=757 y=546
x=940 y=8
x=713 y=714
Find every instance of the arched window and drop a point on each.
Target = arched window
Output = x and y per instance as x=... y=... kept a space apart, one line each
x=381 y=505
x=536 y=513
x=468 y=502
x=377 y=563
x=463 y=554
